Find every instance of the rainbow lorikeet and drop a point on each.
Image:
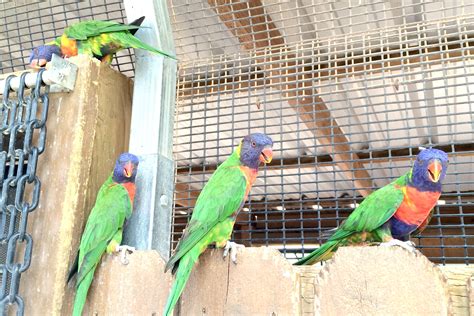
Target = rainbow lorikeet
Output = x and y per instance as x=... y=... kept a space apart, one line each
x=393 y=212
x=216 y=209
x=99 y=39
x=103 y=231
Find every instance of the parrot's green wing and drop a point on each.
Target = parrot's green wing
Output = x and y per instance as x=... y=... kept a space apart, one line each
x=222 y=196
x=126 y=39
x=107 y=217
x=117 y=33
x=374 y=211
x=370 y=215
x=86 y=29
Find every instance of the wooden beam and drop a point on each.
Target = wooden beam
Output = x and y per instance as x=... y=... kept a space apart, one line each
x=365 y=157
x=221 y=84
x=339 y=203
x=248 y=22
x=372 y=62
x=185 y=195
x=254 y=29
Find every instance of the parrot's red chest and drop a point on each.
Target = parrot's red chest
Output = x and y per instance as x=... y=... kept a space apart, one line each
x=130 y=187
x=416 y=205
x=250 y=176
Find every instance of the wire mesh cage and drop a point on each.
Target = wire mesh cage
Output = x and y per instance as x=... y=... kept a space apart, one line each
x=348 y=90
x=27 y=24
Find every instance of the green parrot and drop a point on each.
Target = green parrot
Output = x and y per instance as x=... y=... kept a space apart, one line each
x=99 y=39
x=392 y=213
x=216 y=209
x=103 y=231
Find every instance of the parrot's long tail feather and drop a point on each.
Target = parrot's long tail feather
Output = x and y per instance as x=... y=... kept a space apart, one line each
x=81 y=293
x=136 y=43
x=136 y=22
x=74 y=268
x=322 y=253
x=186 y=264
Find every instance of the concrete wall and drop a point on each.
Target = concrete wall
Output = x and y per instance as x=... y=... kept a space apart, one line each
x=86 y=130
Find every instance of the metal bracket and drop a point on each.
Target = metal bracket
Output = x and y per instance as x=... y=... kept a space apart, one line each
x=60 y=76
x=62 y=73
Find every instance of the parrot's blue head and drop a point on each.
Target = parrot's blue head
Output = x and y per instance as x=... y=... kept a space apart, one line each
x=125 y=168
x=429 y=170
x=255 y=148
x=42 y=54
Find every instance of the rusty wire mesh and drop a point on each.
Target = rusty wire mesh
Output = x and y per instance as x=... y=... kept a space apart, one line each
x=348 y=100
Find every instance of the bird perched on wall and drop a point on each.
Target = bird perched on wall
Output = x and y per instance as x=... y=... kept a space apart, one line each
x=394 y=212
x=103 y=231
x=99 y=39
x=216 y=209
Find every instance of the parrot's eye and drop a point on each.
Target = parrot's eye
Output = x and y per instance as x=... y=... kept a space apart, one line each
x=254 y=144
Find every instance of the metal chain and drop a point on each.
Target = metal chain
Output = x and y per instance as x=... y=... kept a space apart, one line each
x=23 y=135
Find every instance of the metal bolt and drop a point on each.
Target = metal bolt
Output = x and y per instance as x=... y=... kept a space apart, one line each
x=164 y=200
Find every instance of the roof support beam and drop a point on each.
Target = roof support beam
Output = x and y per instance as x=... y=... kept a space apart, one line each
x=256 y=31
x=385 y=59
x=376 y=156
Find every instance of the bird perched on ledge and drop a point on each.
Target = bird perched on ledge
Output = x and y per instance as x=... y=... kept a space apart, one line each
x=103 y=231
x=99 y=39
x=392 y=213
x=216 y=209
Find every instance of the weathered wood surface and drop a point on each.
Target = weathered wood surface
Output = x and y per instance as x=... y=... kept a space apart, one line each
x=87 y=130
x=379 y=281
x=139 y=288
x=459 y=277
x=261 y=283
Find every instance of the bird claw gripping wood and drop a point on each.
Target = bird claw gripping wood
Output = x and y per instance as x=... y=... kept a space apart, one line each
x=232 y=247
x=123 y=250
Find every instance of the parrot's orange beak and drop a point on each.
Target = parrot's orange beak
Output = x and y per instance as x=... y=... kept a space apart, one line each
x=128 y=169
x=38 y=63
x=266 y=155
x=434 y=170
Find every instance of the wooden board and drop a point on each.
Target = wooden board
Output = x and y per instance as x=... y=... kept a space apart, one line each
x=87 y=130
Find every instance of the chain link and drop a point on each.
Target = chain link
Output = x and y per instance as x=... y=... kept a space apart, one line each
x=23 y=118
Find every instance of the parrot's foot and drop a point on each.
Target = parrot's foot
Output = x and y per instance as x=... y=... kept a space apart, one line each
x=372 y=243
x=407 y=245
x=232 y=247
x=123 y=250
